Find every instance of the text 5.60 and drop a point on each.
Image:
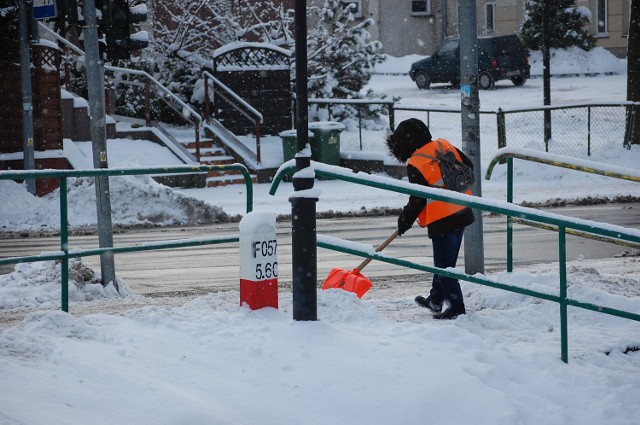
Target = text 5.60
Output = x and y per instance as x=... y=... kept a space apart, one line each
x=266 y=270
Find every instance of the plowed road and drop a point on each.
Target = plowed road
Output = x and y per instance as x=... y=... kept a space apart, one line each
x=192 y=271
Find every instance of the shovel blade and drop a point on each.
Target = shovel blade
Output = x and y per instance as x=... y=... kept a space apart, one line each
x=351 y=281
x=335 y=279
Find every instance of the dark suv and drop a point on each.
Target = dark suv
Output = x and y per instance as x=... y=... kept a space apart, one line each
x=500 y=57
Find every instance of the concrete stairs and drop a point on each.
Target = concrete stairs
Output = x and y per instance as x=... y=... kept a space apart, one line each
x=76 y=126
x=76 y=122
x=211 y=154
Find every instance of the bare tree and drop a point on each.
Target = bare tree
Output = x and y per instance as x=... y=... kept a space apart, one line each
x=188 y=28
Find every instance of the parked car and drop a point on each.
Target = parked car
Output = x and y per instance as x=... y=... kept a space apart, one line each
x=500 y=57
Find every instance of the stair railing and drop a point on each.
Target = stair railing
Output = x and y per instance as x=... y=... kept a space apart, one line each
x=163 y=93
x=239 y=104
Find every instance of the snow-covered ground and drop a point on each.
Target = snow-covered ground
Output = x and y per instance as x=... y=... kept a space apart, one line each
x=376 y=360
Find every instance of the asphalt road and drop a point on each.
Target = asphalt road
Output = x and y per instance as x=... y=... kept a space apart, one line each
x=193 y=271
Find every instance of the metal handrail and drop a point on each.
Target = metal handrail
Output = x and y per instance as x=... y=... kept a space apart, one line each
x=187 y=111
x=65 y=253
x=190 y=115
x=236 y=102
x=510 y=210
x=256 y=114
x=562 y=161
x=556 y=161
x=168 y=93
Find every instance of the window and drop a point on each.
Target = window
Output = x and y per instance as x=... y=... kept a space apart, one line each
x=602 y=17
x=420 y=7
x=449 y=48
x=489 y=18
x=356 y=9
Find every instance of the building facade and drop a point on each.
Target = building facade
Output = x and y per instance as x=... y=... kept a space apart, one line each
x=419 y=26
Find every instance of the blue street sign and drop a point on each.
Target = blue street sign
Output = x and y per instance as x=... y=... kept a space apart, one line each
x=44 y=9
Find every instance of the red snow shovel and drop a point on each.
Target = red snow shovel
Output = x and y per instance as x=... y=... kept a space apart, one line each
x=353 y=281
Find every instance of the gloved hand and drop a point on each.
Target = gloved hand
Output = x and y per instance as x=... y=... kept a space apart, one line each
x=403 y=225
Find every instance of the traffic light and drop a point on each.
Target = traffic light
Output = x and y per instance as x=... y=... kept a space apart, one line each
x=103 y=11
x=68 y=11
x=120 y=41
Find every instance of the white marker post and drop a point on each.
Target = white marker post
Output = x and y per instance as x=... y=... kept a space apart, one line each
x=258 y=260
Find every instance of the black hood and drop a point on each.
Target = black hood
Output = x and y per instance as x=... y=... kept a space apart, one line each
x=409 y=136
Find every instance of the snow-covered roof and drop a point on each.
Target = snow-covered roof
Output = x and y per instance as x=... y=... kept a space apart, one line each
x=48 y=43
x=244 y=45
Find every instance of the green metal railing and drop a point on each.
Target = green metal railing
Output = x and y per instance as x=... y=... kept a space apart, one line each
x=562 y=223
x=557 y=161
x=65 y=253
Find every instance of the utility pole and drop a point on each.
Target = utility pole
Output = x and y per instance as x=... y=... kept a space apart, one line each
x=470 y=116
x=95 y=84
x=27 y=99
x=546 y=71
x=303 y=205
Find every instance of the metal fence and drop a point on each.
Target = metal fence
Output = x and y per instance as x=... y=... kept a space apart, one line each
x=65 y=253
x=576 y=130
x=563 y=226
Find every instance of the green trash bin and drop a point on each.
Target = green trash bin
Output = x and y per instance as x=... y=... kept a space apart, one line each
x=325 y=146
x=290 y=143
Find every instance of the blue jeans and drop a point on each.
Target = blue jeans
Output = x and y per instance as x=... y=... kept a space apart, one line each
x=445 y=254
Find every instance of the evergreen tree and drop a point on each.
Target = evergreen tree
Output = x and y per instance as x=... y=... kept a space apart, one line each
x=568 y=25
x=340 y=56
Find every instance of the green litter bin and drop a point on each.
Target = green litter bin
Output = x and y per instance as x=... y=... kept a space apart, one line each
x=290 y=143
x=325 y=146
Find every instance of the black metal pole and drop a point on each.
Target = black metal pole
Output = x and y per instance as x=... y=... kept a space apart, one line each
x=303 y=204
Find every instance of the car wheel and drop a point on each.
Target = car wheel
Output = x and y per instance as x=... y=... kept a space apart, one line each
x=422 y=81
x=518 y=81
x=485 y=81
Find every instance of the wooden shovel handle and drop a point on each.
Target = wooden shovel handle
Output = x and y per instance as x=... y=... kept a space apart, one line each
x=378 y=249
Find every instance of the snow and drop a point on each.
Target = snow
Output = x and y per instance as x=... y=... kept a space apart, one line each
x=136 y=200
x=140 y=36
x=256 y=219
x=243 y=45
x=130 y=153
x=376 y=360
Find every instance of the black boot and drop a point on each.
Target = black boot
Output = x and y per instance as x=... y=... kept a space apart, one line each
x=428 y=303
x=451 y=312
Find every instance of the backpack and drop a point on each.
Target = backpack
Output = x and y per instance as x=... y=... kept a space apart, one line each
x=456 y=175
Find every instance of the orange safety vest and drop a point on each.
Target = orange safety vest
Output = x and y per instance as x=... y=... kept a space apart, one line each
x=422 y=159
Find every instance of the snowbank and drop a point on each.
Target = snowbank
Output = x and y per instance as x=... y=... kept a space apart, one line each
x=135 y=201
